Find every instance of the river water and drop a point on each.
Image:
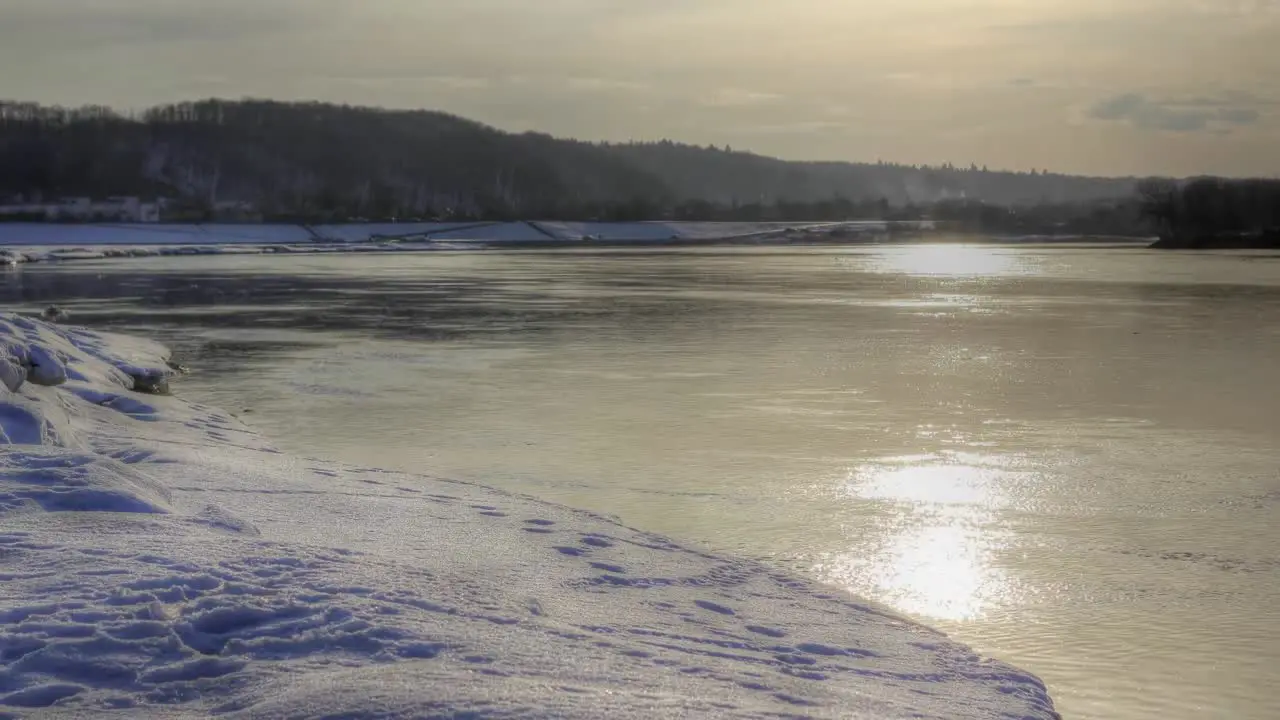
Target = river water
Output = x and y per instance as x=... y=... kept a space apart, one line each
x=1067 y=457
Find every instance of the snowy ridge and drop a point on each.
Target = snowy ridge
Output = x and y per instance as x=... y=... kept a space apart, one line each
x=159 y=559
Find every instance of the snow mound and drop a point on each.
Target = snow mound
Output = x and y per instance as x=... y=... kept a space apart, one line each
x=44 y=354
x=83 y=482
x=160 y=559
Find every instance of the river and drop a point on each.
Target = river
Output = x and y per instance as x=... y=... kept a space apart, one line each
x=1065 y=456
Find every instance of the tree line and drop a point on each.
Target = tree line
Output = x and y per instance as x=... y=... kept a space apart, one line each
x=1212 y=212
x=317 y=161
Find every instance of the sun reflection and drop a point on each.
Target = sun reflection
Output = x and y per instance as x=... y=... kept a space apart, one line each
x=936 y=557
x=935 y=484
x=939 y=567
x=939 y=570
x=952 y=260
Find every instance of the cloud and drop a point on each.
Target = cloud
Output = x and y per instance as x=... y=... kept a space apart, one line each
x=736 y=98
x=1239 y=116
x=1195 y=115
x=1119 y=107
x=151 y=22
x=803 y=127
x=593 y=84
x=912 y=80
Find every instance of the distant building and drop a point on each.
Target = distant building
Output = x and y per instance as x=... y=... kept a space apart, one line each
x=235 y=210
x=83 y=209
x=24 y=211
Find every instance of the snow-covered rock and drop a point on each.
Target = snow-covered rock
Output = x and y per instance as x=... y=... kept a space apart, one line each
x=160 y=559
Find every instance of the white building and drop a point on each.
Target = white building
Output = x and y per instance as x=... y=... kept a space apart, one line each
x=83 y=209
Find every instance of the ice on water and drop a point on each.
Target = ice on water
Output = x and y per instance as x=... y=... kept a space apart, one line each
x=159 y=558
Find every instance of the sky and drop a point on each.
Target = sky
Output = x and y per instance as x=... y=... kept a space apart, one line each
x=1099 y=87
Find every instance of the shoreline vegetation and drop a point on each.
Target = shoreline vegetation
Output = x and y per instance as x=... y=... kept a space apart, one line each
x=317 y=163
x=1213 y=213
x=308 y=163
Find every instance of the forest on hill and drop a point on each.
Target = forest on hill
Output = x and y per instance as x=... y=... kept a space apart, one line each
x=1211 y=212
x=316 y=161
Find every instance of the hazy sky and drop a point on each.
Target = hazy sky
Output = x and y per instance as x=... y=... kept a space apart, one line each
x=1157 y=86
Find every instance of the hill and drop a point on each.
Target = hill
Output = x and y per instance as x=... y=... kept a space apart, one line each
x=324 y=161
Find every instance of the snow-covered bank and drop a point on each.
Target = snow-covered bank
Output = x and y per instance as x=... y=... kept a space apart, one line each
x=39 y=242
x=22 y=255
x=159 y=558
x=44 y=242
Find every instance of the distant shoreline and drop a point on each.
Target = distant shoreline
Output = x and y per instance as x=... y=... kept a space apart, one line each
x=56 y=242
x=1268 y=240
x=57 y=254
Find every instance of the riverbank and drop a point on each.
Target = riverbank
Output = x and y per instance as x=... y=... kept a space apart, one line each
x=1265 y=240
x=99 y=234
x=42 y=242
x=161 y=557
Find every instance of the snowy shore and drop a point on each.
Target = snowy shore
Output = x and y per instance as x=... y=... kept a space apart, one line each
x=43 y=242
x=160 y=559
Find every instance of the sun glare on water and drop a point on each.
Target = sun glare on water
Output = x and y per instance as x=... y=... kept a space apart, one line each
x=935 y=558
x=947 y=260
x=938 y=570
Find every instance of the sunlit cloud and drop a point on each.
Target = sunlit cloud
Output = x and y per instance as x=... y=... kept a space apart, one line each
x=1005 y=83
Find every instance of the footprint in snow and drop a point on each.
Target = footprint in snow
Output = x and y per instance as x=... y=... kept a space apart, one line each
x=714 y=607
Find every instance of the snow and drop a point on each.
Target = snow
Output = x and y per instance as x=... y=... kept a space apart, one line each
x=159 y=558
x=226 y=235
x=43 y=242
x=610 y=231
x=20 y=255
x=363 y=232
x=665 y=231
x=522 y=232
x=710 y=230
x=89 y=235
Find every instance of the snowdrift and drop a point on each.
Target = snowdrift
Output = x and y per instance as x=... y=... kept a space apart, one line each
x=160 y=559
